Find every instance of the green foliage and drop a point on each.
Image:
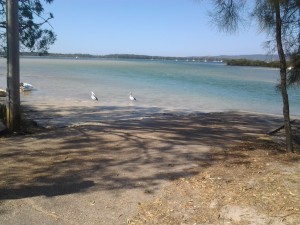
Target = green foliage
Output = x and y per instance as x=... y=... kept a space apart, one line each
x=32 y=20
x=245 y=62
x=294 y=72
x=228 y=15
x=290 y=23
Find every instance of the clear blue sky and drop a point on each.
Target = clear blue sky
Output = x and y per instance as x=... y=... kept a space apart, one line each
x=150 y=27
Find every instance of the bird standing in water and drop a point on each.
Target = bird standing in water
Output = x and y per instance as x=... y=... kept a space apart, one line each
x=131 y=97
x=94 y=97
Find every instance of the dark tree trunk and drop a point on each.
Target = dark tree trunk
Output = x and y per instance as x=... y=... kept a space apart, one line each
x=285 y=98
x=13 y=67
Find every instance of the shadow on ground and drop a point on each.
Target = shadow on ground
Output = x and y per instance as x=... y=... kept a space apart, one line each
x=116 y=148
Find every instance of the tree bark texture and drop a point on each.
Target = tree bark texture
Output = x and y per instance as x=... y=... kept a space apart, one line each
x=13 y=66
x=283 y=83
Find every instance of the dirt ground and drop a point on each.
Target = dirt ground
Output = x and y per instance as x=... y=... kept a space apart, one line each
x=79 y=167
x=250 y=183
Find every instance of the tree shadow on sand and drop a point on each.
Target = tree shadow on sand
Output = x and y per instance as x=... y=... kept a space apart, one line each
x=117 y=148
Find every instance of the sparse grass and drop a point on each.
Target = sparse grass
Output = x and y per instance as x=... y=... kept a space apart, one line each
x=253 y=182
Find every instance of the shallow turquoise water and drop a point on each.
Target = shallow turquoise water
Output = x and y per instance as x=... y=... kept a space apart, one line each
x=186 y=86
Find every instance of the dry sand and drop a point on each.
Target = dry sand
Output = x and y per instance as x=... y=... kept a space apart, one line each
x=109 y=165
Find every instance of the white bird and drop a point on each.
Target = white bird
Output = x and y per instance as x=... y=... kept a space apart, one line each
x=26 y=87
x=94 y=97
x=131 y=97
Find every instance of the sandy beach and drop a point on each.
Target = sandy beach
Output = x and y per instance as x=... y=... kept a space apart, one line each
x=118 y=165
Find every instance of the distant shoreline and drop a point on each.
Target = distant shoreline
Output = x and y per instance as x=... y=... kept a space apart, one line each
x=239 y=60
x=220 y=58
x=254 y=60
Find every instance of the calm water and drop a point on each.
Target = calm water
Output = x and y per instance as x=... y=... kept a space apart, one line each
x=186 y=86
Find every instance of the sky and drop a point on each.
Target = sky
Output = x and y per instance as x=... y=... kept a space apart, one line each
x=146 y=27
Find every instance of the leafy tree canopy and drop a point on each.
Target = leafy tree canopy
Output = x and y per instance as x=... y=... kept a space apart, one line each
x=229 y=14
x=32 y=17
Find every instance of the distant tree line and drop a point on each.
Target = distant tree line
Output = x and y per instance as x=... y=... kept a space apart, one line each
x=246 y=62
x=117 y=56
x=228 y=61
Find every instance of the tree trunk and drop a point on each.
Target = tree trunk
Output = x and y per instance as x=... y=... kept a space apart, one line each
x=285 y=98
x=13 y=66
